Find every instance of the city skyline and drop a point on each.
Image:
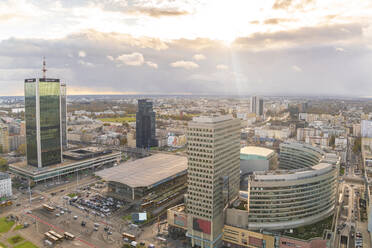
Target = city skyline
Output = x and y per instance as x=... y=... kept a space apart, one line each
x=278 y=47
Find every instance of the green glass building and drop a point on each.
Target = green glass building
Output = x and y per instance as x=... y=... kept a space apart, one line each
x=43 y=121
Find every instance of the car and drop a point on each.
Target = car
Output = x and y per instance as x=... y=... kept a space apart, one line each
x=83 y=223
x=58 y=215
x=96 y=224
x=18 y=204
x=29 y=212
x=96 y=229
x=75 y=217
x=62 y=212
x=62 y=190
x=53 y=193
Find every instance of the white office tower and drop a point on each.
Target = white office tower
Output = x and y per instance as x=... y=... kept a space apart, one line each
x=213 y=176
x=5 y=185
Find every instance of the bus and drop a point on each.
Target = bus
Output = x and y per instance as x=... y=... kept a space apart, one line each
x=69 y=236
x=50 y=237
x=58 y=236
x=129 y=236
x=49 y=208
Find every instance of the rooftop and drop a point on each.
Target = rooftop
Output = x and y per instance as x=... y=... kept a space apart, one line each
x=66 y=162
x=147 y=171
x=256 y=150
x=212 y=119
x=290 y=175
x=84 y=153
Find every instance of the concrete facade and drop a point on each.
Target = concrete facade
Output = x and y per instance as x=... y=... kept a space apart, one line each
x=213 y=176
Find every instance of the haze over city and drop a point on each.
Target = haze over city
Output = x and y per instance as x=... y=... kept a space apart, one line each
x=274 y=47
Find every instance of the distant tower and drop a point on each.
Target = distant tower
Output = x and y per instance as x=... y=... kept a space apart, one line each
x=43 y=120
x=44 y=70
x=257 y=105
x=145 y=125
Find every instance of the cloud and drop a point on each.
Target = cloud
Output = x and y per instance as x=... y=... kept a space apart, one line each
x=339 y=49
x=188 y=65
x=156 y=9
x=222 y=67
x=133 y=59
x=82 y=54
x=296 y=68
x=198 y=57
x=286 y=4
x=152 y=64
x=306 y=36
x=117 y=40
x=273 y=21
x=7 y=17
x=282 y=4
x=260 y=67
x=109 y=57
x=158 y=12
x=85 y=63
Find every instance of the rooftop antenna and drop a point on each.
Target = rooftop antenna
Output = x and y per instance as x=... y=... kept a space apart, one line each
x=44 y=68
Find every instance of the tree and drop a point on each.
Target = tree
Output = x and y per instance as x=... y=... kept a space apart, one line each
x=125 y=124
x=123 y=141
x=357 y=147
x=3 y=164
x=21 y=149
x=332 y=141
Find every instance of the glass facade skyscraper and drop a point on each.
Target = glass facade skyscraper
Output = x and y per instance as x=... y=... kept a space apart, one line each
x=43 y=121
x=145 y=125
x=63 y=115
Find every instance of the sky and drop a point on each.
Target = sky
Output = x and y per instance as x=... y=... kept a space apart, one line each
x=190 y=47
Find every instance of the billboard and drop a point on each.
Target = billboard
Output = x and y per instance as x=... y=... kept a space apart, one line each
x=180 y=220
x=201 y=225
x=255 y=241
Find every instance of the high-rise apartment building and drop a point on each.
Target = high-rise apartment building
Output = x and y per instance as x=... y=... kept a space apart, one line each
x=257 y=105
x=4 y=138
x=145 y=125
x=213 y=176
x=43 y=121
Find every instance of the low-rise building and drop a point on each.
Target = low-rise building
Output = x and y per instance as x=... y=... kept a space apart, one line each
x=254 y=158
x=82 y=159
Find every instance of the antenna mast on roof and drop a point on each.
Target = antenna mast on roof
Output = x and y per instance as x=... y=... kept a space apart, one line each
x=44 y=68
